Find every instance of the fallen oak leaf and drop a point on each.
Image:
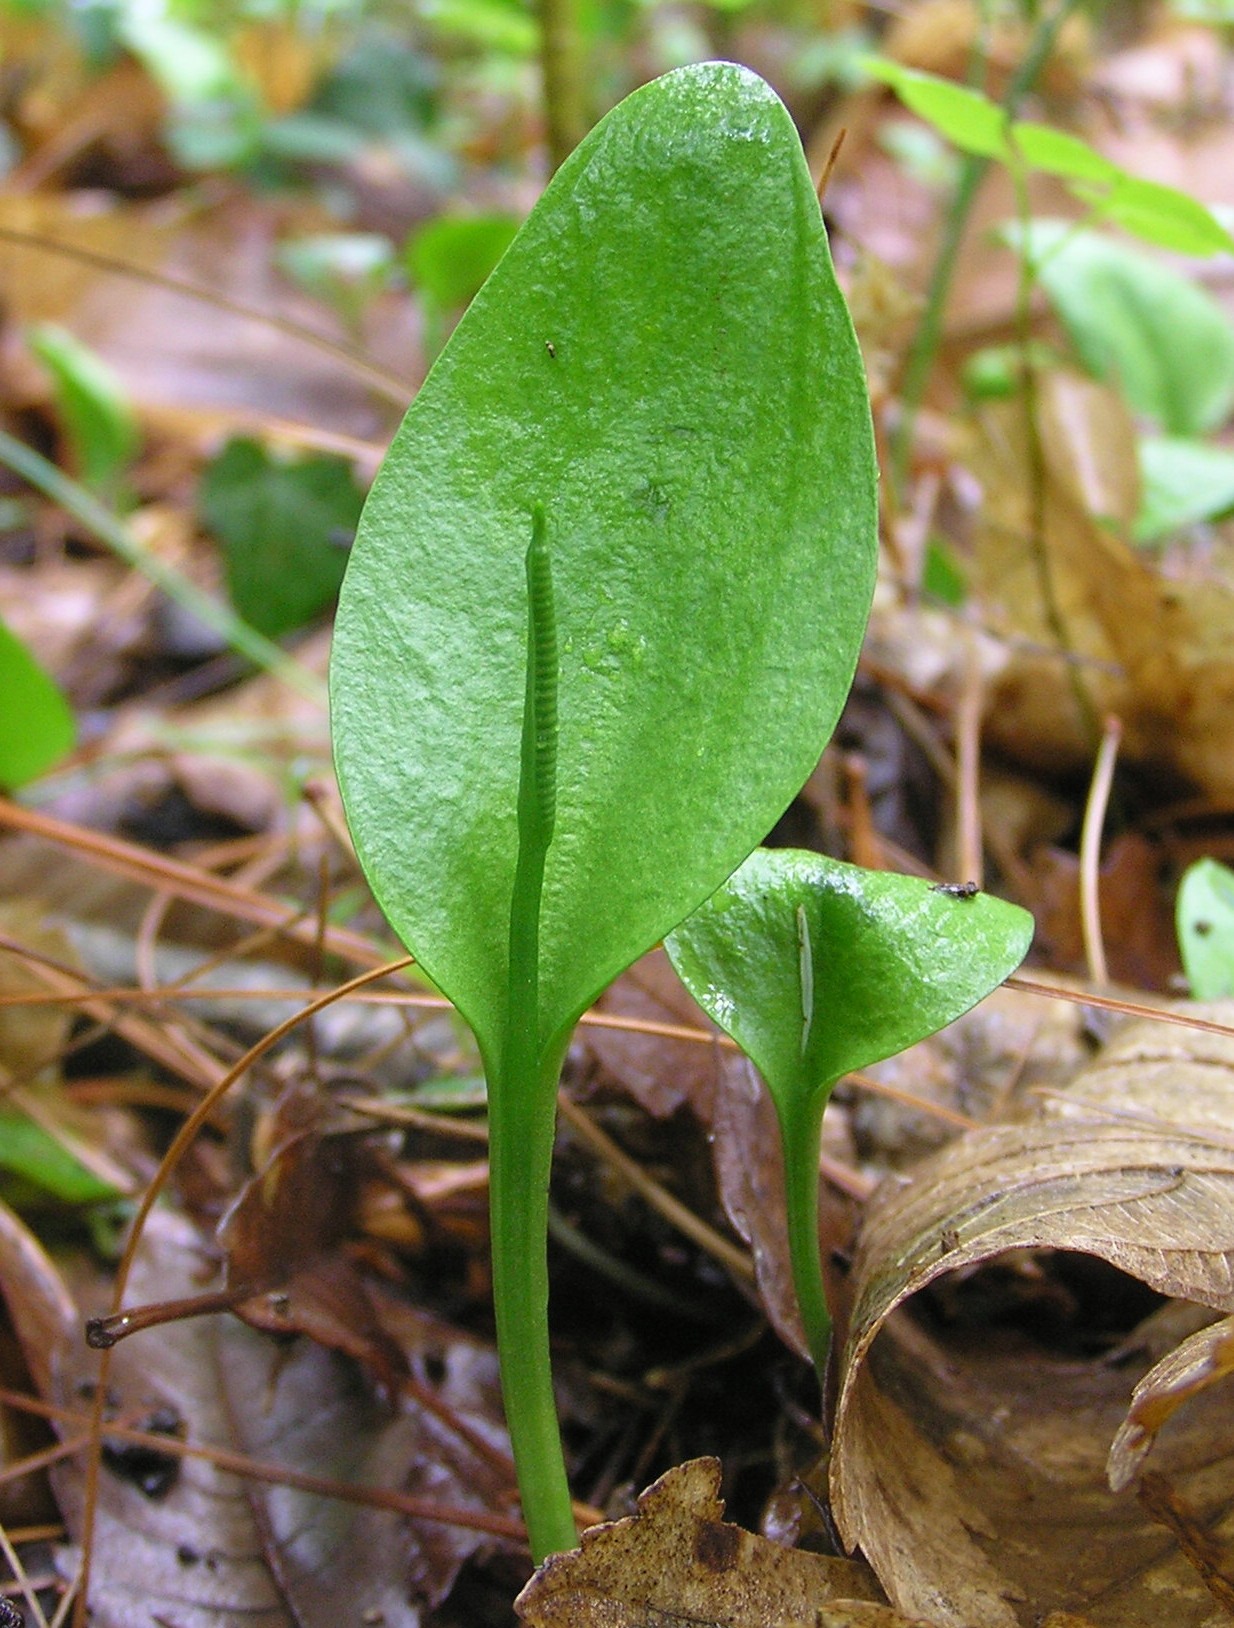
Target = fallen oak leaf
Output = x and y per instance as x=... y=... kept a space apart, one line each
x=677 y=1562
x=970 y=1465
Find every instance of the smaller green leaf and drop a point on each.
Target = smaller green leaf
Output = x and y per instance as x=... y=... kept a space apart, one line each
x=36 y=722
x=95 y=412
x=817 y=968
x=1166 y=343
x=970 y=120
x=1205 y=922
x=1182 y=482
x=285 y=527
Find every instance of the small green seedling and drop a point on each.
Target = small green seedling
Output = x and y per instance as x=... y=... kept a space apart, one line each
x=602 y=613
x=817 y=968
x=1205 y=921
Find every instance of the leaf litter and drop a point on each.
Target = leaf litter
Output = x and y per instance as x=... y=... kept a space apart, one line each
x=1033 y=1312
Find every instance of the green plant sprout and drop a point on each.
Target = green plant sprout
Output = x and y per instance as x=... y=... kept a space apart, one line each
x=603 y=610
x=816 y=968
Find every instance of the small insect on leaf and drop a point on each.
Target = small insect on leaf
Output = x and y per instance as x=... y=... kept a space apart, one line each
x=957 y=890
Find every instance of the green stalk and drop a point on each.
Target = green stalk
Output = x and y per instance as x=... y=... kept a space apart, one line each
x=523 y=1105
x=561 y=53
x=801 y=1139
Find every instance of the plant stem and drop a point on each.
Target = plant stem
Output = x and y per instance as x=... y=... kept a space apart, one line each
x=562 y=74
x=929 y=332
x=522 y=1101
x=801 y=1138
x=523 y=1104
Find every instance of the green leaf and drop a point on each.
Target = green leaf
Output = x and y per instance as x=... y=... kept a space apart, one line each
x=1205 y=920
x=1182 y=482
x=817 y=968
x=1165 y=216
x=98 y=420
x=1058 y=152
x=36 y=722
x=1157 y=213
x=664 y=361
x=1164 y=342
x=968 y=119
x=285 y=528
x=28 y=1151
x=449 y=260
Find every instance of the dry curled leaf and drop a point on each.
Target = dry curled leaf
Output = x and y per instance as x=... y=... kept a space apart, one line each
x=1200 y=1361
x=678 y=1564
x=969 y=1462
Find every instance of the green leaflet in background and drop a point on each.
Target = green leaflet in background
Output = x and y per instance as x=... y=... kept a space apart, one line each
x=979 y=126
x=94 y=411
x=448 y=261
x=1205 y=920
x=1182 y=482
x=664 y=361
x=36 y=723
x=1164 y=342
x=285 y=526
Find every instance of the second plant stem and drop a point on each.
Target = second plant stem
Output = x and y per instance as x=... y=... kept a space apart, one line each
x=801 y=1138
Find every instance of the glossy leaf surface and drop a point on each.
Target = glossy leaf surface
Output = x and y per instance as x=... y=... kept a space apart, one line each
x=817 y=968
x=663 y=360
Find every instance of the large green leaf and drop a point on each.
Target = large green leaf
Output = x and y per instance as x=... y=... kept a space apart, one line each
x=1166 y=343
x=663 y=360
x=817 y=968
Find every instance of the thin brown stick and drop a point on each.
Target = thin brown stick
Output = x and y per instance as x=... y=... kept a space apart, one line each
x=1090 y=851
x=734 y=1260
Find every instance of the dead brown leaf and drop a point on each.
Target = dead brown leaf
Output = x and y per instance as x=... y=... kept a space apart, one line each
x=1200 y=1361
x=969 y=1463
x=1086 y=612
x=678 y=1564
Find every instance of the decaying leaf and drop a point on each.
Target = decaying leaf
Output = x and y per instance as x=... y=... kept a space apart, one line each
x=180 y=1540
x=969 y=1457
x=1192 y=1367
x=678 y=1564
x=1153 y=650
